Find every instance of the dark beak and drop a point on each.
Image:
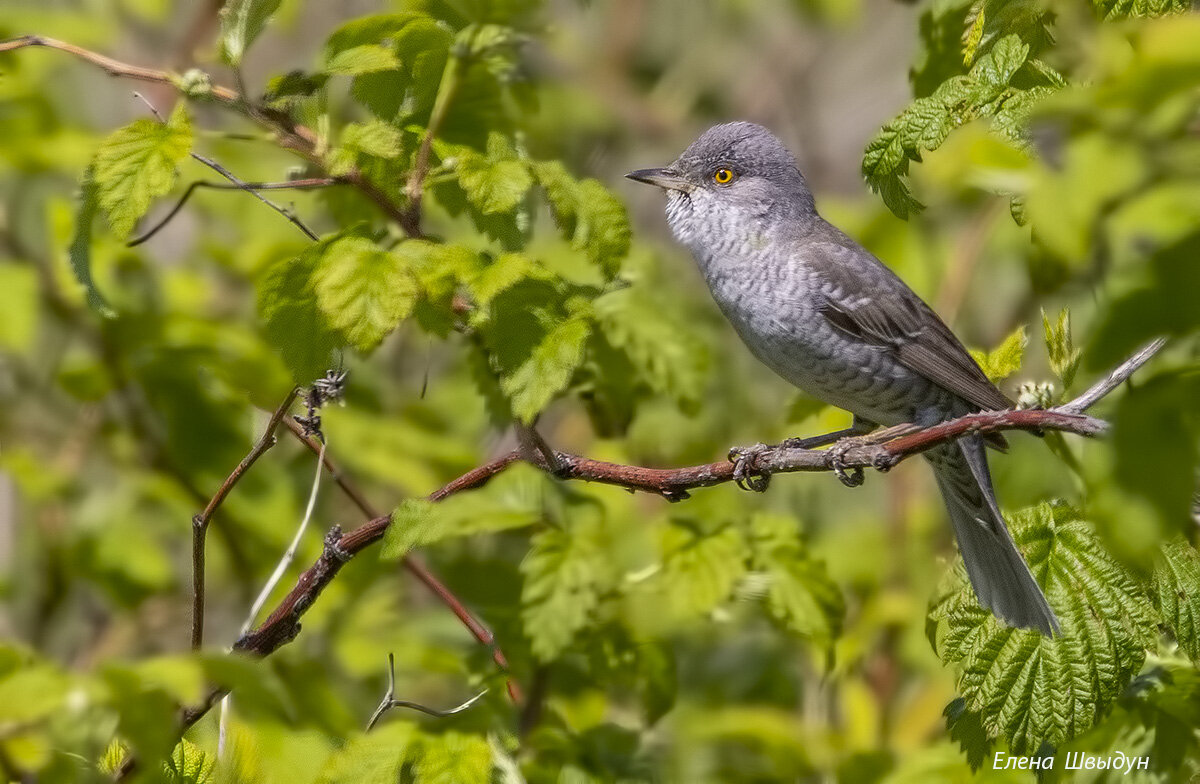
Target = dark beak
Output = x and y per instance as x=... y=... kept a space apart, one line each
x=663 y=178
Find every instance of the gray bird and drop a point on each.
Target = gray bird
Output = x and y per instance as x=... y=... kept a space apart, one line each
x=827 y=316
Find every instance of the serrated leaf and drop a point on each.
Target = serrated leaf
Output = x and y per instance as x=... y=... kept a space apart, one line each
x=564 y=573
x=1121 y=9
x=966 y=728
x=363 y=290
x=136 y=165
x=294 y=323
x=1176 y=592
x=454 y=758
x=189 y=764
x=698 y=572
x=548 y=370
x=80 y=252
x=1064 y=357
x=242 y=21
x=665 y=351
x=515 y=499
x=375 y=758
x=799 y=591
x=1006 y=358
x=1030 y=689
x=493 y=186
x=996 y=68
x=376 y=137
x=587 y=214
x=364 y=59
x=500 y=273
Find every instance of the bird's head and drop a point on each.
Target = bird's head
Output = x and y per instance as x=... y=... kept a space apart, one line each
x=734 y=174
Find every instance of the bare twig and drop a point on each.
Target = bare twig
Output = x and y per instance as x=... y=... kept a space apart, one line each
x=1114 y=379
x=284 y=211
x=201 y=520
x=289 y=135
x=289 y=555
x=311 y=182
x=389 y=700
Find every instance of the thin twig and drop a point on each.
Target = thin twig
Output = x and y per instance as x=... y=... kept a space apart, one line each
x=284 y=211
x=289 y=555
x=311 y=182
x=200 y=521
x=1114 y=379
x=289 y=136
x=389 y=700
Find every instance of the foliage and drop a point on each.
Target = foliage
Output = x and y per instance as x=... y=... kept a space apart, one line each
x=476 y=269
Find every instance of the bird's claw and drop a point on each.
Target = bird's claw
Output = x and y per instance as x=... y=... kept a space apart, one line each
x=837 y=461
x=745 y=473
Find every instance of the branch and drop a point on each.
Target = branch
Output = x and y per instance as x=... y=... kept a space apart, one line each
x=389 y=700
x=291 y=136
x=1115 y=378
x=200 y=521
x=283 y=624
x=414 y=565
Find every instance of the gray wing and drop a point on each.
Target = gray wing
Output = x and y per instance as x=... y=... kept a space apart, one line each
x=869 y=302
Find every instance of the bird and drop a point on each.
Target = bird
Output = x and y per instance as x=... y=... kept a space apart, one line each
x=829 y=317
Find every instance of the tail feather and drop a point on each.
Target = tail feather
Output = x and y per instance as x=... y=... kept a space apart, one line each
x=999 y=574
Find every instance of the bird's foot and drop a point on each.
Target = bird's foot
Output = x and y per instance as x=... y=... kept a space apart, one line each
x=837 y=461
x=745 y=470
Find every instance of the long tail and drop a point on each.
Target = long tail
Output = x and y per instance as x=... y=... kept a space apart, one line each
x=999 y=574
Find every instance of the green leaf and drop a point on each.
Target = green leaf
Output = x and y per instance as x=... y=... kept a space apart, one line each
x=564 y=573
x=376 y=137
x=514 y=499
x=368 y=58
x=1029 y=689
x=1122 y=9
x=242 y=21
x=136 y=165
x=1176 y=592
x=294 y=323
x=375 y=758
x=494 y=186
x=363 y=290
x=189 y=764
x=454 y=758
x=997 y=68
x=1064 y=357
x=80 y=251
x=799 y=592
x=548 y=370
x=698 y=572
x=1006 y=358
x=587 y=214
x=664 y=349
x=966 y=728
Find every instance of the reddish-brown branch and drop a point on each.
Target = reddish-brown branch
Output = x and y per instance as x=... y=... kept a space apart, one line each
x=373 y=530
x=284 y=623
x=200 y=521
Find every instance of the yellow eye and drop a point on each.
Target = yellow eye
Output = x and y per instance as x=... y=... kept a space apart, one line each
x=723 y=176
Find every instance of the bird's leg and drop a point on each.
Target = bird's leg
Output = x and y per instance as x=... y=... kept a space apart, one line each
x=747 y=475
x=866 y=436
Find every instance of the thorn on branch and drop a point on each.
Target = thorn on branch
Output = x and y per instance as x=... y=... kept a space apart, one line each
x=330 y=388
x=389 y=700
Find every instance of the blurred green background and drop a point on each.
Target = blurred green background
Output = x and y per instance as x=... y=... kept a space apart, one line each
x=787 y=636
